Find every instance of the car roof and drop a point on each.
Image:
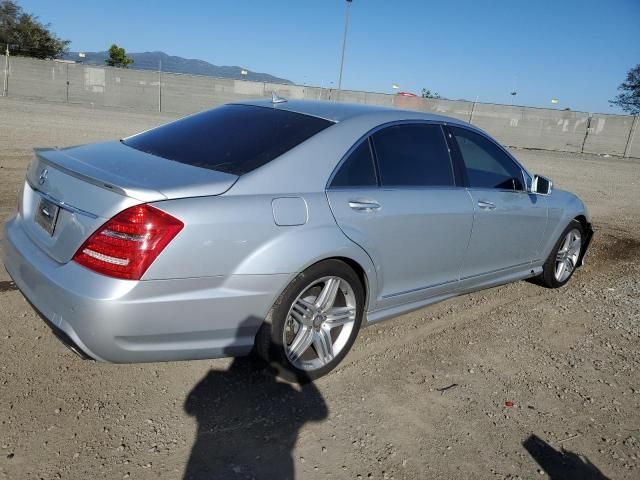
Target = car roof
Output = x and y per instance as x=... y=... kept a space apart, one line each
x=339 y=111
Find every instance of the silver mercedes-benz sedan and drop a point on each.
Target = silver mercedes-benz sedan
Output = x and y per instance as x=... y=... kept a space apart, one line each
x=281 y=227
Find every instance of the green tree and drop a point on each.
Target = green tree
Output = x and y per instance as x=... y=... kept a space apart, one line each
x=629 y=99
x=118 y=57
x=26 y=35
x=428 y=94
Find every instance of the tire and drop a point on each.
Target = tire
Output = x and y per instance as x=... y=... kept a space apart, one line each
x=306 y=334
x=549 y=277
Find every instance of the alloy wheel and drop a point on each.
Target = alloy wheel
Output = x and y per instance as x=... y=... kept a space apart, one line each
x=319 y=323
x=568 y=254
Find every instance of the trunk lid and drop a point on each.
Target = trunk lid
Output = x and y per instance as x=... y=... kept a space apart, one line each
x=71 y=192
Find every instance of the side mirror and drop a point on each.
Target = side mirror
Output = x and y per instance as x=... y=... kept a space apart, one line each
x=541 y=185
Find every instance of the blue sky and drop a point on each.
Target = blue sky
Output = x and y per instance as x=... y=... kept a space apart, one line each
x=576 y=51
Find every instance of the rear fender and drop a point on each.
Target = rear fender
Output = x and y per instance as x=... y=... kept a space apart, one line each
x=303 y=247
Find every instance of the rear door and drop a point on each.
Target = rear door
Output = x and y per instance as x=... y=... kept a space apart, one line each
x=509 y=223
x=395 y=195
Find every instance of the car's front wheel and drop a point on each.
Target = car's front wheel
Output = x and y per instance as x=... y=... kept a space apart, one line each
x=314 y=323
x=564 y=257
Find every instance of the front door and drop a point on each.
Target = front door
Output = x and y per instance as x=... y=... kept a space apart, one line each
x=509 y=222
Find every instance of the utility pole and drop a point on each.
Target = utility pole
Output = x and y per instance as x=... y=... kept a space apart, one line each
x=344 y=42
x=160 y=86
x=5 y=86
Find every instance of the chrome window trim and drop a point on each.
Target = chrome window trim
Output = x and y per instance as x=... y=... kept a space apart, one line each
x=502 y=190
x=402 y=188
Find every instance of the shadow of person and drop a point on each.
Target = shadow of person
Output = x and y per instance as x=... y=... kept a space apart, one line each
x=561 y=465
x=248 y=422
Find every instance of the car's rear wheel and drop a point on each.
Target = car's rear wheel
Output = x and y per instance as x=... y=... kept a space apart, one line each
x=314 y=322
x=564 y=257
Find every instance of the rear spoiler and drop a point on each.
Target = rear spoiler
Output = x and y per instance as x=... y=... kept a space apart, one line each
x=58 y=159
x=124 y=170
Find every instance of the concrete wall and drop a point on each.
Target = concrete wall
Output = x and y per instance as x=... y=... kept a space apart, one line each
x=145 y=90
x=533 y=127
x=37 y=79
x=633 y=147
x=608 y=134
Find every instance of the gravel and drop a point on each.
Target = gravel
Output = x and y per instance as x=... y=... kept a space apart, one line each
x=489 y=385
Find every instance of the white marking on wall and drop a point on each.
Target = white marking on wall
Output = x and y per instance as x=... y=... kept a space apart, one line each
x=600 y=126
x=513 y=122
x=94 y=79
x=578 y=123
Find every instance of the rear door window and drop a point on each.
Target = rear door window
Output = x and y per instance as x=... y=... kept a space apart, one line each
x=413 y=155
x=357 y=170
x=486 y=163
x=234 y=139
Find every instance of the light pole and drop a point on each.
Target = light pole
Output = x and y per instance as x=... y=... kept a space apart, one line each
x=344 y=42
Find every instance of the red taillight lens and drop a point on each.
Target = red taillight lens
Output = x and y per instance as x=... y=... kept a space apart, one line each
x=126 y=245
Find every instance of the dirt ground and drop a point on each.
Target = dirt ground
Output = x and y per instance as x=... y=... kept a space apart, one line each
x=492 y=385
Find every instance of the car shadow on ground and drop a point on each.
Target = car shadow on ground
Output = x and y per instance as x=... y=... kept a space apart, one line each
x=563 y=464
x=248 y=422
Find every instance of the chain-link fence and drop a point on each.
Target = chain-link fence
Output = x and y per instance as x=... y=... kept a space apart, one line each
x=145 y=90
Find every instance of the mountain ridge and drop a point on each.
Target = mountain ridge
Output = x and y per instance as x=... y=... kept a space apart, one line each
x=176 y=64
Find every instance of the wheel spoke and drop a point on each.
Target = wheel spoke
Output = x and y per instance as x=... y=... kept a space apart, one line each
x=300 y=343
x=323 y=345
x=568 y=265
x=560 y=270
x=327 y=296
x=337 y=316
x=575 y=246
x=298 y=318
x=302 y=311
x=305 y=304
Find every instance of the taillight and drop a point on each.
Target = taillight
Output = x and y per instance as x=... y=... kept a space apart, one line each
x=126 y=245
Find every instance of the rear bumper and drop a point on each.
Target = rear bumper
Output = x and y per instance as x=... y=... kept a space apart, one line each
x=125 y=321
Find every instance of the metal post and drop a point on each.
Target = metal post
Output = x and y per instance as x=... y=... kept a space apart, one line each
x=586 y=133
x=160 y=87
x=473 y=109
x=5 y=85
x=344 y=42
x=634 y=127
x=67 y=83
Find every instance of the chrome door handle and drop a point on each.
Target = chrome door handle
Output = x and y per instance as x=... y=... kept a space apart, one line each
x=364 y=205
x=486 y=205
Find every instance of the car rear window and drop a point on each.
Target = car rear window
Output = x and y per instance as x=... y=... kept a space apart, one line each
x=234 y=139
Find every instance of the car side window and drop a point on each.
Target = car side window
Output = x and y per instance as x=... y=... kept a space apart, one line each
x=358 y=170
x=413 y=155
x=486 y=164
